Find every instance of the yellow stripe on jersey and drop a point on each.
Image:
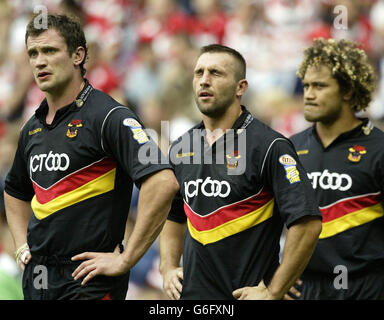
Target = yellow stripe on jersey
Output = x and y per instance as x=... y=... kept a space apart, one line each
x=351 y=220
x=100 y=185
x=234 y=226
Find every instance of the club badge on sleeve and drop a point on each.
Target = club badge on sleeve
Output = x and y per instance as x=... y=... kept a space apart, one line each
x=289 y=164
x=138 y=132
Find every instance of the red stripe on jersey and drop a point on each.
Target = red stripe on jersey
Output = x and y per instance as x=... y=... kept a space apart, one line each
x=74 y=180
x=228 y=212
x=107 y=297
x=349 y=205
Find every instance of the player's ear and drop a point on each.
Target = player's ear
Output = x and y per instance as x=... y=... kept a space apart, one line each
x=347 y=96
x=242 y=86
x=78 y=56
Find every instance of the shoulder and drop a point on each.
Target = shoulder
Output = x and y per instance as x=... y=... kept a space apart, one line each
x=187 y=136
x=301 y=137
x=373 y=139
x=258 y=133
x=102 y=105
x=377 y=134
x=31 y=126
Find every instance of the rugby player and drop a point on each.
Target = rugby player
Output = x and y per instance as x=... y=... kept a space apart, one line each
x=343 y=154
x=227 y=220
x=70 y=185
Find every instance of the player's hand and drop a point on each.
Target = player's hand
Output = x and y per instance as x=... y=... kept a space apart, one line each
x=23 y=256
x=260 y=292
x=172 y=283
x=99 y=263
x=294 y=293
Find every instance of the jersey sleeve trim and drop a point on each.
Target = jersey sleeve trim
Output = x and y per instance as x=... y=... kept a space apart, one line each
x=103 y=124
x=266 y=154
x=16 y=194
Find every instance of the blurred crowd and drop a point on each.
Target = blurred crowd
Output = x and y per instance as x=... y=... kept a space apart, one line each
x=142 y=53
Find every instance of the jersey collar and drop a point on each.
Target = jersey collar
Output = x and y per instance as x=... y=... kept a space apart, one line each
x=364 y=128
x=241 y=122
x=42 y=110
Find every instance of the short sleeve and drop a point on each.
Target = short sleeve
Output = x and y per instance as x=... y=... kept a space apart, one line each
x=124 y=138
x=286 y=177
x=17 y=182
x=176 y=213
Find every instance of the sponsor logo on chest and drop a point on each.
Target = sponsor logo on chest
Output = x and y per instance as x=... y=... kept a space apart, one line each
x=208 y=187
x=330 y=180
x=49 y=161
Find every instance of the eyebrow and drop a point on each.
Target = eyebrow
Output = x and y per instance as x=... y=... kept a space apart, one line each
x=47 y=47
x=316 y=82
x=210 y=68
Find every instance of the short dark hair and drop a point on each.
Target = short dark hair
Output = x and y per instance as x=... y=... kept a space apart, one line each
x=349 y=65
x=68 y=27
x=218 y=48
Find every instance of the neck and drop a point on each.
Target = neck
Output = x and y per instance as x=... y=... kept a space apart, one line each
x=62 y=97
x=328 y=132
x=216 y=127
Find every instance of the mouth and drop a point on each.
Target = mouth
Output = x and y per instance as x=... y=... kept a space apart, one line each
x=205 y=95
x=310 y=104
x=43 y=75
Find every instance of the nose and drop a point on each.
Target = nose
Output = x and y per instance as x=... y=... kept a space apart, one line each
x=309 y=93
x=205 y=80
x=40 y=61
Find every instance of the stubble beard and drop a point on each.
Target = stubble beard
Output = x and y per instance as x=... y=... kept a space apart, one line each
x=323 y=118
x=215 y=109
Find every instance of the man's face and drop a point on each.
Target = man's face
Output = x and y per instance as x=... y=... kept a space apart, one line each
x=322 y=97
x=51 y=64
x=214 y=83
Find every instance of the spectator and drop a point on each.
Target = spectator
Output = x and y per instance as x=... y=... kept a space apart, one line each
x=159 y=20
x=143 y=78
x=208 y=22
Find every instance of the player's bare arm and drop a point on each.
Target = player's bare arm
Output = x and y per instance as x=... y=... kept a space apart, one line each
x=155 y=199
x=18 y=214
x=171 y=249
x=300 y=242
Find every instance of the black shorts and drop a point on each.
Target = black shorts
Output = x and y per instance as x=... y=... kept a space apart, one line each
x=50 y=278
x=365 y=286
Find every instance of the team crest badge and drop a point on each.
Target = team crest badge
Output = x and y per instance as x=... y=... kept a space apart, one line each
x=73 y=128
x=355 y=153
x=233 y=159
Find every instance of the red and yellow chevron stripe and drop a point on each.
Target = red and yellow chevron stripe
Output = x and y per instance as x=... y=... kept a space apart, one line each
x=349 y=213
x=230 y=219
x=88 y=182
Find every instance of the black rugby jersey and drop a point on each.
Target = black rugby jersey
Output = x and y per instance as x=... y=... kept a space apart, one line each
x=78 y=173
x=348 y=177
x=235 y=197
